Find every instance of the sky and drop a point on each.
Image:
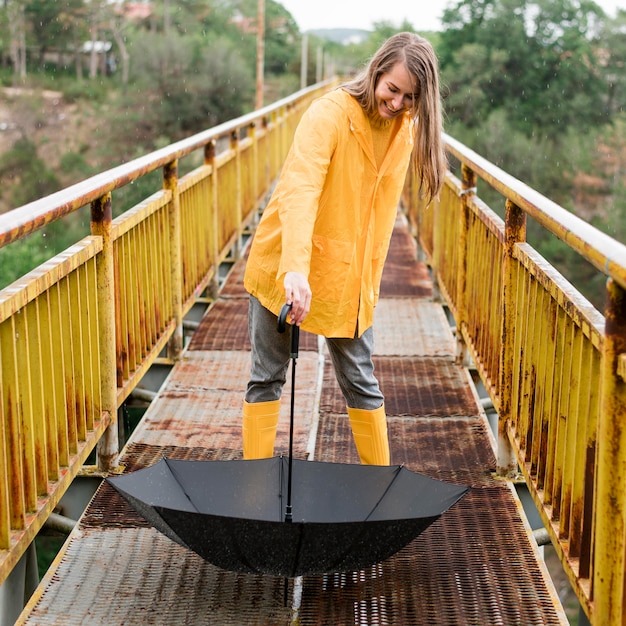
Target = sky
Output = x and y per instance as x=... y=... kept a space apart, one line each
x=423 y=15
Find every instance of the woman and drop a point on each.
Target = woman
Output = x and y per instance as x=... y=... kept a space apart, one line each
x=323 y=238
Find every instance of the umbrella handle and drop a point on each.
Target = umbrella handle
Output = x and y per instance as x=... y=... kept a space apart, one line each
x=295 y=330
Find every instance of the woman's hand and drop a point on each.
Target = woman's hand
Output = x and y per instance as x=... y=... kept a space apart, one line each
x=298 y=294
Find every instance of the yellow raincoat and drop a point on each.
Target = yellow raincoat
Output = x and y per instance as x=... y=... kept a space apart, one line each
x=331 y=217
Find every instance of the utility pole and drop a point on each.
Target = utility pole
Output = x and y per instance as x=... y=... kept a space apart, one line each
x=166 y=17
x=260 y=52
x=303 y=61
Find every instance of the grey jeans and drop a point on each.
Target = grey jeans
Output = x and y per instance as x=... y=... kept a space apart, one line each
x=352 y=361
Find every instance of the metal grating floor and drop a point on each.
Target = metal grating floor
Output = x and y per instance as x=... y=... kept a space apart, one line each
x=477 y=565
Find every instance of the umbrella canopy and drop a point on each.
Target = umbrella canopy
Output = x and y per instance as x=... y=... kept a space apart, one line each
x=232 y=513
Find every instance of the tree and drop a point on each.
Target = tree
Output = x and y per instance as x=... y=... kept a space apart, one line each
x=16 y=25
x=612 y=60
x=180 y=87
x=533 y=58
x=51 y=24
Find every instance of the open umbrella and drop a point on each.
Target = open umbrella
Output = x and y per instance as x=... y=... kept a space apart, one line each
x=239 y=515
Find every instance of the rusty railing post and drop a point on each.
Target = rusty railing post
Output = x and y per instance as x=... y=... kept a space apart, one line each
x=101 y=222
x=610 y=499
x=170 y=182
x=514 y=233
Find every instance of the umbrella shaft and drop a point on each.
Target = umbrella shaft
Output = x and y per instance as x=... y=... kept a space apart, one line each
x=291 y=423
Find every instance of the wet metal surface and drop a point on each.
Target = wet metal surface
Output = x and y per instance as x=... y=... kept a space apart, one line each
x=403 y=275
x=419 y=387
x=410 y=327
x=477 y=565
x=226 y=328
x=200 y=405
x=466 y=569
x=138 y=577
x=454 y=450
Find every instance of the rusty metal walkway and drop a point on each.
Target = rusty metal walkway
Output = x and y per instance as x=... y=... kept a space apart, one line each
x=478 y=565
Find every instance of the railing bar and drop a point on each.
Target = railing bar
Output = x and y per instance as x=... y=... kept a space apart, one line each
x=590 y=443
x=152 y=242
x=49 y=409
x=579 y=452
x=38 y=385
x=144 y=293
x=528 y=373
x=13 y=437
x=120 y=284
x=5 y=478
x=562 y=419
x=554 y=356
x=25 y=409
x=575 y=421
x=518 y=420
x=539 y=441
x=67 y=342
x=76 y=298
x=60 y=362
x=91 y=346
x=541 y=411
x=161 y=315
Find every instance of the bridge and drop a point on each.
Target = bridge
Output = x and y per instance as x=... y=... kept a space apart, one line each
x=468 y=309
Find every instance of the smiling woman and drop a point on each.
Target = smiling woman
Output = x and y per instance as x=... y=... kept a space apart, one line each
x=395 y=92
x=321 y=244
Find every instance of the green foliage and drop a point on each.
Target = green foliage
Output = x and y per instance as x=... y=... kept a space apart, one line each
x=613 y=65
x=76 y=164
x=54 y=25
x=24 y=255
x=29 y=176
x=21 y=257
x=533 y=59
x=179 y=88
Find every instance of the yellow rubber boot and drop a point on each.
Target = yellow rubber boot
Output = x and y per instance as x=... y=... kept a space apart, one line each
x=369 y=429
x=260 y=420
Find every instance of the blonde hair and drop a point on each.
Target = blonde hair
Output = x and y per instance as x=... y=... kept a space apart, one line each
x=418 y=56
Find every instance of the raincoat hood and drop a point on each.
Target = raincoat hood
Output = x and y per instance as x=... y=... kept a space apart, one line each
x=331 y=217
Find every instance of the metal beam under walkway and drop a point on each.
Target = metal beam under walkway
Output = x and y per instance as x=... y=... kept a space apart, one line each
x=478 y=564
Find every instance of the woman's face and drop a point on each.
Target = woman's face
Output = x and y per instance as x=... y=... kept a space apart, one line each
x=394 y=92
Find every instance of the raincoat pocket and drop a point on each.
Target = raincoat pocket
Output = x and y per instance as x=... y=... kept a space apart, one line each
x=330 y=264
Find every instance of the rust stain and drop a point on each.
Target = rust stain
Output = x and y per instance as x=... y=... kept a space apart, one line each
x=418 y=386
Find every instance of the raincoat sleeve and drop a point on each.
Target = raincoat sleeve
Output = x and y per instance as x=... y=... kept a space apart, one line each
x=301 y=183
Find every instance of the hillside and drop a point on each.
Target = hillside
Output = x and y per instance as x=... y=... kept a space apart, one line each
x=55 y=127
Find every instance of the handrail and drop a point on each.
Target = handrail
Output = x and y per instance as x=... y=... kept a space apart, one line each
x=554 y=366
x=78 y=333
x=603 y=252
x=34 y=215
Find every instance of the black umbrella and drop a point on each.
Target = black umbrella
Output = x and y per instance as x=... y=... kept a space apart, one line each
x=239 y=515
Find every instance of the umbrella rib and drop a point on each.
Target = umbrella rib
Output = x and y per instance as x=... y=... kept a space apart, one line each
x=396 y=474
x=180 y=484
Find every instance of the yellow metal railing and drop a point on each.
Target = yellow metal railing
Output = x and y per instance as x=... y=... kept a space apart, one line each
x=78 y=333
x=554 y=366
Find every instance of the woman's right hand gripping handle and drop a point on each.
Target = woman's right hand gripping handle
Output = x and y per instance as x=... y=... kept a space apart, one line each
x=298 y=295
